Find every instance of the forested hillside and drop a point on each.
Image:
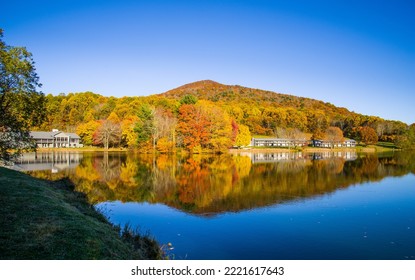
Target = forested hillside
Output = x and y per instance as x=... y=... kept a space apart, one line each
x=207 y=115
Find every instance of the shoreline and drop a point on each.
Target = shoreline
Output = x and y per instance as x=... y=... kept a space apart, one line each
x=87 y=149
x=49 y=220
x=358 y=149
x=282 y=150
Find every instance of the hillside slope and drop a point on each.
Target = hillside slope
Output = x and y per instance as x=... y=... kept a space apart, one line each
x=216 y=92
x=262 y=112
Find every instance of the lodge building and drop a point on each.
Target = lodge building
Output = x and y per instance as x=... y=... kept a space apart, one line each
x=56 y=139
x=347 y=143
x=279 y=142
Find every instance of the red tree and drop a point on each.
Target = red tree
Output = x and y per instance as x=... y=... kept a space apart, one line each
x=193 y=126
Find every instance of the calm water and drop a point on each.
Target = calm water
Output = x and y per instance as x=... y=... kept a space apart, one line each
x=253 y=206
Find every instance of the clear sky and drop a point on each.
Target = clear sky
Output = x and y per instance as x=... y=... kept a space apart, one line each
x=356 y=54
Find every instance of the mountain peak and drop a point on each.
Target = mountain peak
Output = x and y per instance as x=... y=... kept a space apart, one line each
x=217 y=92
x=198 y=85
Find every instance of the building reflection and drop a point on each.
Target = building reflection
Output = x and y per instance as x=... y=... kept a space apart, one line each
x=286 y=156
x=54 y=161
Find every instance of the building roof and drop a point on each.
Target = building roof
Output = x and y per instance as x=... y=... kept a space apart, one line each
x=43 y=134
x=73 y=135
x=52 y=134
x=67 y=134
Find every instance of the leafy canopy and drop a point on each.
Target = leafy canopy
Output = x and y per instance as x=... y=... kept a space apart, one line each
x=21 y=104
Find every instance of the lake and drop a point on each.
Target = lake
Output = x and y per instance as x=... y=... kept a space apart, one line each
x=251 y=205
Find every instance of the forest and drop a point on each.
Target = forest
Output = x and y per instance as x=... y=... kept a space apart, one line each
x=209 y=116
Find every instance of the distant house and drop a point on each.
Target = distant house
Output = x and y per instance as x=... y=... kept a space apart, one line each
x=347 y=143
x=56 y=139
x=278 y=142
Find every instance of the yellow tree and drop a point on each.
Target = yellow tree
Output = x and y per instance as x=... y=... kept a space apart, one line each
x=113 y=117
x=244 y=136
x=129 y=137
x=220 y=128
x=86 y=131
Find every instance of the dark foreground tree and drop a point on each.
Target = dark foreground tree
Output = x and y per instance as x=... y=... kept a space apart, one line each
x=21 y=104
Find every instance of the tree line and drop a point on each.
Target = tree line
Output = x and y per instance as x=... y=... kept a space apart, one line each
x=196 y=121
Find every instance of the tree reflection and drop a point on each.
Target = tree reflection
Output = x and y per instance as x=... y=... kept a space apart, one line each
x=206 y=184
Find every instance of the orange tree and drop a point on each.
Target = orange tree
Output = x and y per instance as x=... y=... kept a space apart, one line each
x=368 y=135
x=193 y=126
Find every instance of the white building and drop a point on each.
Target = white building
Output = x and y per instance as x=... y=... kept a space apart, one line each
x=278 y=142
x=347 y=143
x=56 y=139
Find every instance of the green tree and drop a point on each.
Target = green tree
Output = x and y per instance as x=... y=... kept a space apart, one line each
x=407 y=139
x=145 y=126
x=188 y=99
x=21 y=104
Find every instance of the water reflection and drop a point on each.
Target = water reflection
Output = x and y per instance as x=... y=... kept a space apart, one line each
x=282 y=156
x=53 y=162
x=206 y=184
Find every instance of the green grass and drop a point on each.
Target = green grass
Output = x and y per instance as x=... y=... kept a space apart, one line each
x=48 y=220
x=387 y=145
x=380 y=147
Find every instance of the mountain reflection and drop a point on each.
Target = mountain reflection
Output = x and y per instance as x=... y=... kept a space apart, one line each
x=207 y=184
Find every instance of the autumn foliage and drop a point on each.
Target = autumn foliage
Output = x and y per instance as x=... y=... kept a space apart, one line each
x=193 y=126
x=208 y=116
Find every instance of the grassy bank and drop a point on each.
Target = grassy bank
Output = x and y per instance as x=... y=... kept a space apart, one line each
x=48 y=220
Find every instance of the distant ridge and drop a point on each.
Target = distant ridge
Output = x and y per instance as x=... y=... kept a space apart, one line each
x=214 y=91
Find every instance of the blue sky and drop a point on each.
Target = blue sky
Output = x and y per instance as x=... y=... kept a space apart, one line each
x=355 y=54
